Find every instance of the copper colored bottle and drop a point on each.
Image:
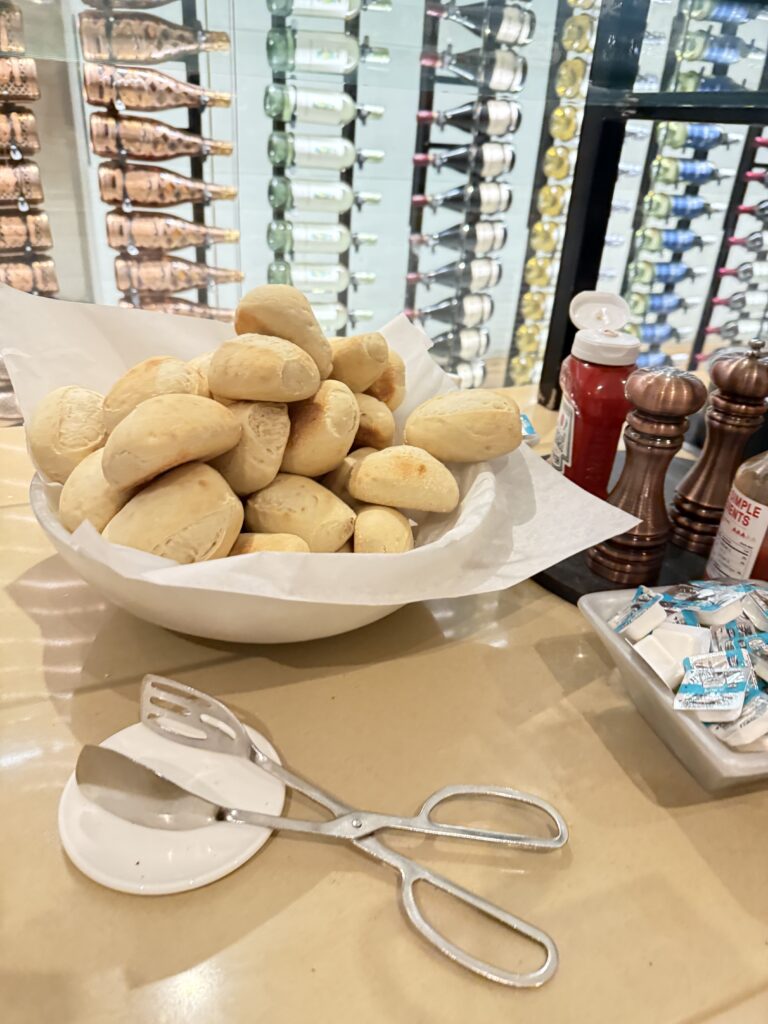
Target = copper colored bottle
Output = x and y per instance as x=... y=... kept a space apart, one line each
x=20 y=184
x=11 y=30
x=182 y=307
x=31 y=233
x=161 y=232
x=18 y=134
x=18 y=79
x=38 y=276
x=155 y=186
x=141 y=138
x=144 y=89
x=168 y=274
x=142 y=38
x=127 y=5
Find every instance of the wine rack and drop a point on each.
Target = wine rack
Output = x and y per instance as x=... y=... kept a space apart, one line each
x=25 y=233
x=310 y=250
x=120 y=49
x=480 y=235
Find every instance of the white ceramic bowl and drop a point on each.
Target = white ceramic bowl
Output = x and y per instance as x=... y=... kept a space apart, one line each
x=229 y=616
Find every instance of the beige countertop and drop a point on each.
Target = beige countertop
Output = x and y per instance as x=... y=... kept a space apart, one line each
x=659 y=904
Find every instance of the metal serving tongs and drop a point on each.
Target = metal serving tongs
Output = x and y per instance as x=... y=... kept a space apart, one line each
x=185 y=715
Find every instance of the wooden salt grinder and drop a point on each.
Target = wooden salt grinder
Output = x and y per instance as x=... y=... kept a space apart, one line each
x=663 y=399
x=735 y=411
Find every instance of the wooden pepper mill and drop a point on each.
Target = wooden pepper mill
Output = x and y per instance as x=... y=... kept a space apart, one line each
x=736 y=410
x=662 y=400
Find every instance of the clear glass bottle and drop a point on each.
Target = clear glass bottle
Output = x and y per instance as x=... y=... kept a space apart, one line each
x=494 y=117
x=286 y=102
x=498 y=70
x=327 y=53
x=346 y=9
x=304 y=237
x=316 y=277
x=487 y=160
x=740 y=550
x=333 y=316
x=462 y=342
x=479 y=239
x=316 y=196
x=326 y=152
x=485 y=198
x=509 y=23
x=464 y=275
x=470 y=310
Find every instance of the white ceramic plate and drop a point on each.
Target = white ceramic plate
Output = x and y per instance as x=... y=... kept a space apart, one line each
x=151 y=862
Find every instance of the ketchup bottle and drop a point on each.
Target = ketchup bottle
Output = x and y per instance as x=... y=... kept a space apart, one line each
x=592 y=379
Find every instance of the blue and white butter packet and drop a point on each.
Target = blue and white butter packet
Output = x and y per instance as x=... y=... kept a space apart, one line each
x=714 y=685
x=530 y=437
x=726 y=636
x=643 y=614
x=756 y=648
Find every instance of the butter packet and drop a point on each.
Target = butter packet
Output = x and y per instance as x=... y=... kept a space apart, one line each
x=714 y=604
x=643 y=614
x=714 y=685
x=752 y=723
x=731 y=633
x=756 y=648
x=530 y=437
x=756 y=607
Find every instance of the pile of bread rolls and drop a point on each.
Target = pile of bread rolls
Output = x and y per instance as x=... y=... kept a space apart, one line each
x=279 y=432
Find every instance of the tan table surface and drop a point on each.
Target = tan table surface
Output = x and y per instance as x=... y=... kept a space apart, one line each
x=659 y=904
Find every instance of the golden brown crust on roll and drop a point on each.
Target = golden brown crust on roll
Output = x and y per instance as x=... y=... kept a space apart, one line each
x=465 y=426
x=359 y=360
x=322 y=430
x=250 y=543
x=377 y=424
x=65 y=427
x=382 y=530
x=404 y=477
x=284 y=312
x=87 y=494
x=296 y=504
x=160 y=375
x=261 y=368
x=389 y=388
x=255 y=460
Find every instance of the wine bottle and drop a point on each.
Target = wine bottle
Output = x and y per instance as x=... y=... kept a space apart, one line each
x=665 y=206
x=642 y=303
x=564 y=122
x=181 y=307
x=161 y=232
x=155 y=187
x=471 y=275
x=509 y=23
x=673 y=239
x=31 y=233
x=700 y=45
x=160 y=274
x=669 y=170
x=346 y=9
x=647 y=273
x=327 y=53
x=143 y=38
x=142 y=138
x=743 y=300
x=582 y=5
x=298 y=236
x=39 y=276
x=20 y=185
x=535 y=305
x=558 y=162
x=529 y=339
x=757 y=175
x=743 y=330
x=656 y=334
x=327 y=152
x=482 y=117
x=469 y=310
x=578 y=34
x=483 y=237
x=754 y=242
x=18 y=80
x=572 y=78
x=18 y=134
x=697 y=81
x=467 y=375
x=545 y=237
x=316 y=277
x=316 y=196
x=333 y=316
x=464 y=342
x=747 y=272
x=679 y=135
x=11 y=30
x=498 y=70
x=136 y=5
x=726 y=12
x=487 y=197
x=105 y=85
x=487 y=160
x=538 y=272
x=551 y=200
x=315 y=106
x=759 y=210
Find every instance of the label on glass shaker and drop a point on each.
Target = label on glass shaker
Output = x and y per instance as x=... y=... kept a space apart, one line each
x=740 y=537
x=562 y=446
x=496 y=159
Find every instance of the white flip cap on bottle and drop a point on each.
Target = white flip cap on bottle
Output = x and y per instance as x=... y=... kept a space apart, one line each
x=599 y=317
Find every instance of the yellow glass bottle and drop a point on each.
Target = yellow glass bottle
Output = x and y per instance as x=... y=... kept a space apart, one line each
x=578 y=33
x=557 y=162
x=538 y=271
x=533 y=305
x=582 y=5
x=571 y=78
x=550 y=201
x=544 y=237
x=521 y=369
x=528 y=339
x=564 y=122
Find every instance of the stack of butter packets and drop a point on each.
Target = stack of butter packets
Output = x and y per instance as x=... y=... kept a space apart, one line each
x=708 y=642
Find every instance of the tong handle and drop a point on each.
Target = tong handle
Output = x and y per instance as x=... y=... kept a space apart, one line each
x=412 y=873
x=424 y=823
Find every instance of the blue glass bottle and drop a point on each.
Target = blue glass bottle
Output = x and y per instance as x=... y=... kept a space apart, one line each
x=656 y=334
x=726 y=12
x=680 y=239
x=652 y=358
x=688 y=206
x=665 y=302
x=671 y=273
x=705 y=136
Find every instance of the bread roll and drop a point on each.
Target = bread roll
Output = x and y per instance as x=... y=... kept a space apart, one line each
x=164 y=432
x=259 y=368
x=296 y=504
x=322 y=430
x=255 y=460
x=87 y=495
x=382 y=530
x=377 y=424
x=404 y=477
x=201 y=364
x=161 y=375
x=248 y=543
x=338 y=478
x=282 y=311
x=190 y=514
x=346 y=548
x=359 y=360
x=65 y=427
x=389 y=388
x=465 y=426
